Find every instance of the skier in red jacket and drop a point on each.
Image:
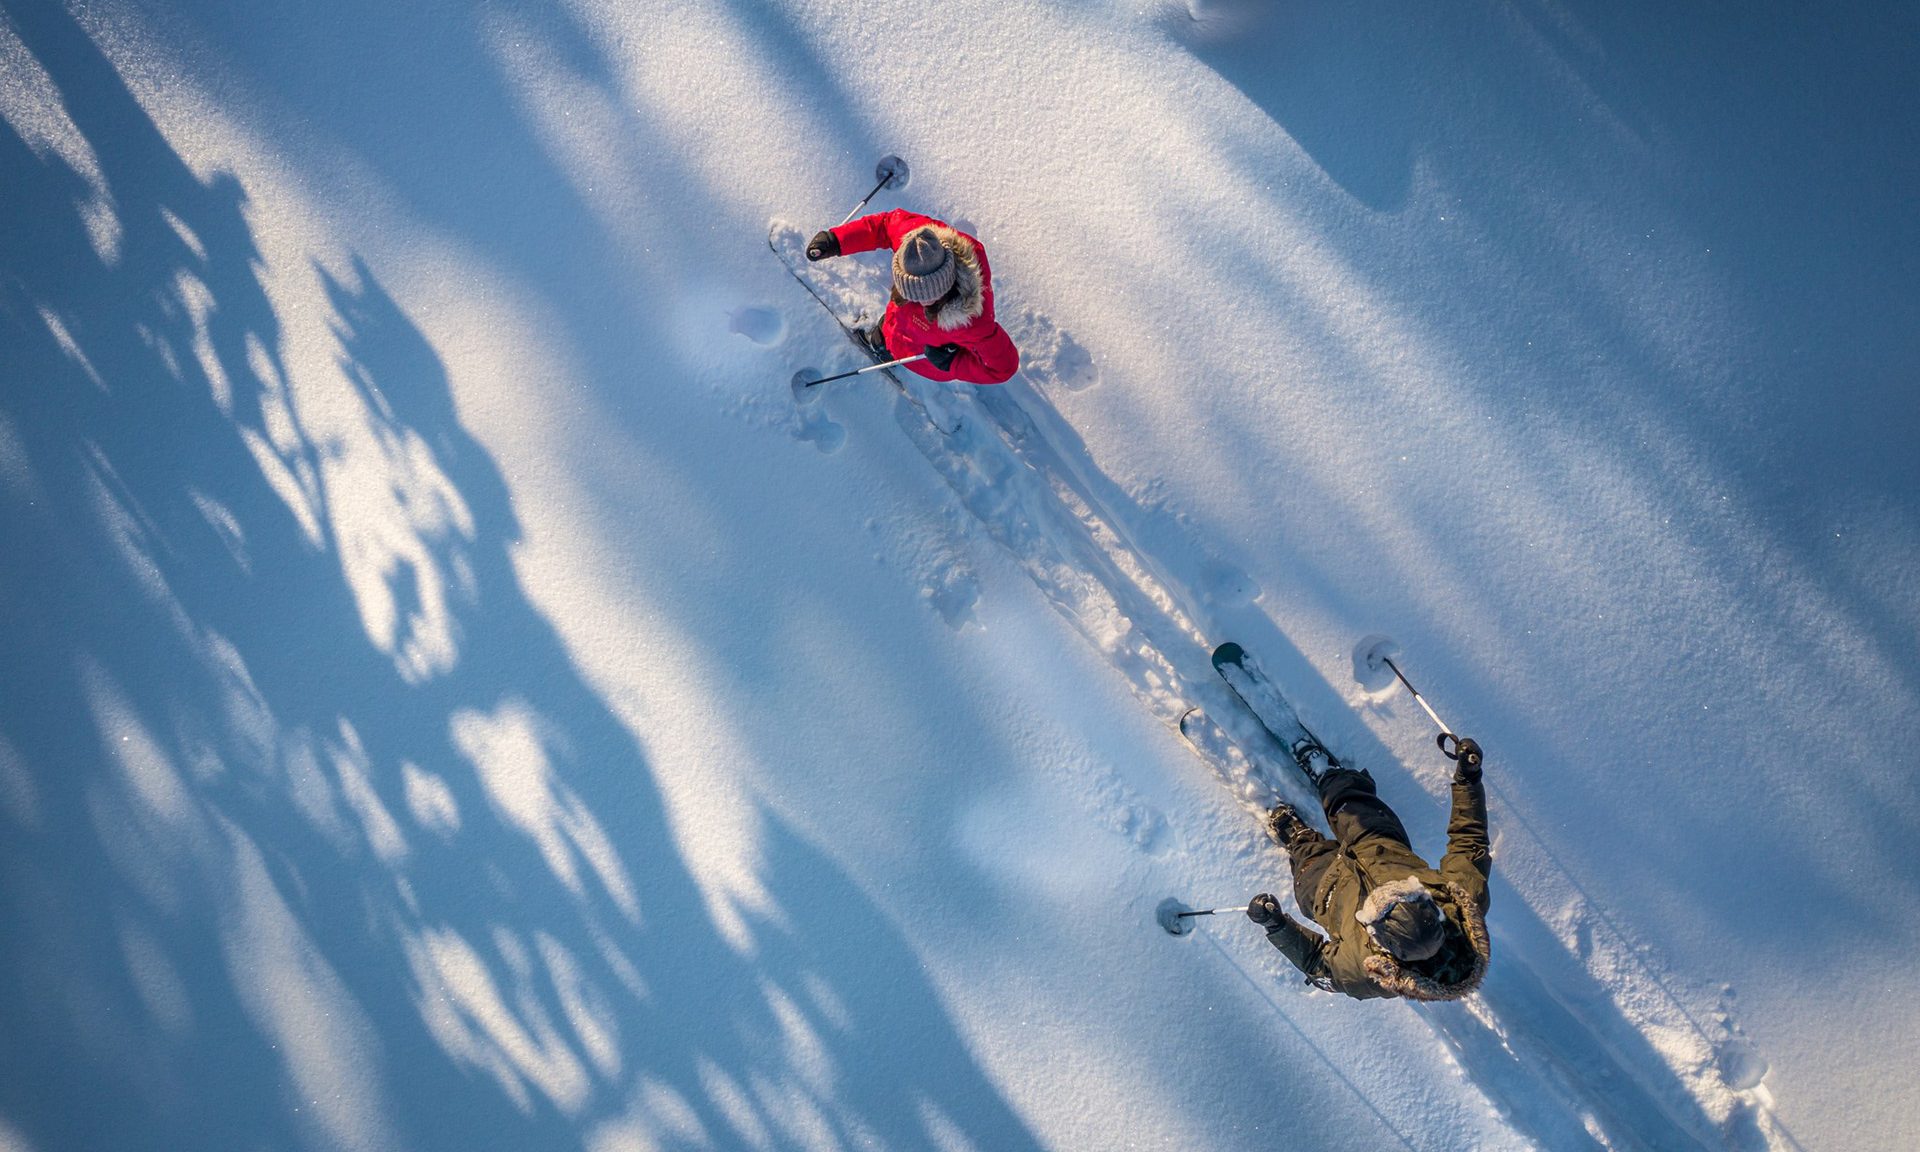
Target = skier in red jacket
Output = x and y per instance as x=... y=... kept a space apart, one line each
x=942 y=298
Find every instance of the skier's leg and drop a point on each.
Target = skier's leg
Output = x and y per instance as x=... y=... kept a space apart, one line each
x=1311 y=855
x=1355 y=811
x=1308 y=852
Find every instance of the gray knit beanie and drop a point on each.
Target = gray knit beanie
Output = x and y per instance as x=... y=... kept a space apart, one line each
x=923 y=269
x=1403 y=918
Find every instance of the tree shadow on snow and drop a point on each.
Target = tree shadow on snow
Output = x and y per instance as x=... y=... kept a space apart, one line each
x=315 y=834
x=1318 y=73
x=1777 y=140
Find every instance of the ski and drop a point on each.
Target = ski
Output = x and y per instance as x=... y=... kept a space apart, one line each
x=790 y=247
x=1250 y=782
x=1249 y=683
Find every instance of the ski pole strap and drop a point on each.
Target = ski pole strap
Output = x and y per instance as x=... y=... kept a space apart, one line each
x=1467 y=760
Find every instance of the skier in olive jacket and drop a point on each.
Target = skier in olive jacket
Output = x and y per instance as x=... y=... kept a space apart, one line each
x=1395 y=927
x=942 y=299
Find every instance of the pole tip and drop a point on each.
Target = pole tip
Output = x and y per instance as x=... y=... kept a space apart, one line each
x=1169 y=918
x=803 y=385
x=1370 y=658
x=892 y=172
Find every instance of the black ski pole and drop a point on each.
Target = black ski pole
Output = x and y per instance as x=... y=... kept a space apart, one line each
x=1173 y=915
x=890 y=169
x=1446 y=733
x=1209 y=912
x=862 y=371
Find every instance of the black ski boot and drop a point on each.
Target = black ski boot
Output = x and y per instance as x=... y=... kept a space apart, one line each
x=1285 y=826
x=875 y=344
x=1313 y=759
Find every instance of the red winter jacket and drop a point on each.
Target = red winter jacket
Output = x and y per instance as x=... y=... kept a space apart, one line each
x=965 y=317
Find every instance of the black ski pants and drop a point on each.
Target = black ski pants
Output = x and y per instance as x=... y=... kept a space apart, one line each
x=1355 y=812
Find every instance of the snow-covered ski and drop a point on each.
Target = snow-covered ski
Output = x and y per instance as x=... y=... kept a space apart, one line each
x=1249 y=682
x=790 y=246
x=1250 y=780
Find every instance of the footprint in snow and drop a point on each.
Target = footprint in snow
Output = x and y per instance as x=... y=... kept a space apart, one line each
x=953 y=593
x=1740 y=1063
x=1131 y=815
x=1052 y=358
x=1224 y=586
x=1147 y=828
x=813 y=426
x=763 y=326
x=934 y=556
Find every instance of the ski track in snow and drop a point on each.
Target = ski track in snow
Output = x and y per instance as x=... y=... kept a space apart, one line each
x=1629 y=1068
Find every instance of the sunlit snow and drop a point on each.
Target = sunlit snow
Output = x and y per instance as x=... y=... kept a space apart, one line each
x=454 y=697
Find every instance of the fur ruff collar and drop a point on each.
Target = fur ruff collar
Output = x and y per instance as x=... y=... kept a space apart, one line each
x=968 y=299
x=1388 y=973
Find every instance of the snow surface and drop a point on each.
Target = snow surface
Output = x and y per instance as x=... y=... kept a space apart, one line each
x=454 y=699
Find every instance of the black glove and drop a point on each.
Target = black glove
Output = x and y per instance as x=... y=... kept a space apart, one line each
x=822 y=246
x=942 y=356
x=1467 y=759
x=1264 y=910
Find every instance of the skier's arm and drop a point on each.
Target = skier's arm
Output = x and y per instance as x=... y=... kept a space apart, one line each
x=993 y=360
x=880 y=230
x=1303 y=946
x=1298 y=943
x=1469 y=858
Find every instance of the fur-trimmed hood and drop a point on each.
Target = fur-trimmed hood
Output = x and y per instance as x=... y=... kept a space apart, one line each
x=964 y=317
x=1404 y=918
x=1397 y=979
x=968 y=299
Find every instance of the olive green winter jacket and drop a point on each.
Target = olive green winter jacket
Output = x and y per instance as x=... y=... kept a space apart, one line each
x=1348 y=960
